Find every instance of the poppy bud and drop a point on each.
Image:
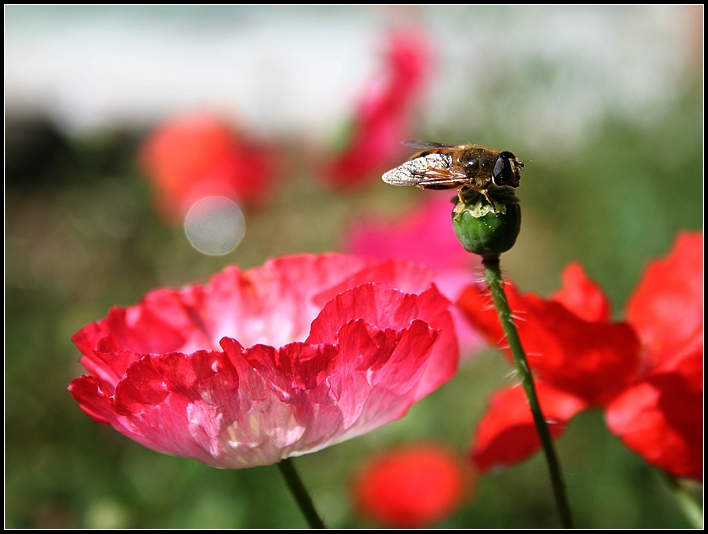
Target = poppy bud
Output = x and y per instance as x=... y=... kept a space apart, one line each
x=484 y=228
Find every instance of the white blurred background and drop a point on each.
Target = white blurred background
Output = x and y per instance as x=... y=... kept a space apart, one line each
x=295 y=69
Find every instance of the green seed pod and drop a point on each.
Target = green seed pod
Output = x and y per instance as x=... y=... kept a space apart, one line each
x=486 y=229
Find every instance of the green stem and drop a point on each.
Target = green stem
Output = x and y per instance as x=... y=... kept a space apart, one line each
x=688 y=504
x=302 y=497
x=492 y=274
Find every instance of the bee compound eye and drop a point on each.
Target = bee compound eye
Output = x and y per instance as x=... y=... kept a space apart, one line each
x=505 y=170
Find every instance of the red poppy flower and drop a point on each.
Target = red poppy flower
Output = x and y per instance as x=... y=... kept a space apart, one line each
x=592 y=359
x=646 y=374
x=577 y=363
x=278 y=361
x=384 y=116
x=411 y=486
x=195 y=156
x=424 y=234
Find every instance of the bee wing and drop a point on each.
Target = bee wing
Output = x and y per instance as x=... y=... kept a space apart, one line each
x=431 y=169
x=422 y=145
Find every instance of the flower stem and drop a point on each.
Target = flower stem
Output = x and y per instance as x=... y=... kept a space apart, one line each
x=492 y=274
x=688 y=504
x=302 y=497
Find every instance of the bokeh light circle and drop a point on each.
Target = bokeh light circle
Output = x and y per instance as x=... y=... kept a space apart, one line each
x=214 y=225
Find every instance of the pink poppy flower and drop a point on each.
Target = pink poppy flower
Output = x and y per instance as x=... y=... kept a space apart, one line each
x=646 y=374
x=194 y=156
x=384 y=115
x=259 y=365
x=411 y=486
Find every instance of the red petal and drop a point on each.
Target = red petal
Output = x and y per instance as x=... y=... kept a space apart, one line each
x=582 y=296
x=667 y=307
x=592 y=360
x=476 y=303
x=86 y=390
x=661 y=417
x=384 y=115
x=507 y=435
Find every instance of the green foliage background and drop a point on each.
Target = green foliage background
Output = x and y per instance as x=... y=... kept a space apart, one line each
x=81 y=236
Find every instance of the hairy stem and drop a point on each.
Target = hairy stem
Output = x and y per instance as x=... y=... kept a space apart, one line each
x=492 y=273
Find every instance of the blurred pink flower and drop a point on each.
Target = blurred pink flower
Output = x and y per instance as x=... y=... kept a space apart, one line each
x=384 y=116
x=259 y=365
x=424 y=234
x=194 y=156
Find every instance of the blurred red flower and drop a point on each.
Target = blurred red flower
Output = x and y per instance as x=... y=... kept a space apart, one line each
x=384 y=116
x=645 y=373
x=411 y=486
x=194 y=156
x=660 y=417
x=278 y=361
x=424 y=234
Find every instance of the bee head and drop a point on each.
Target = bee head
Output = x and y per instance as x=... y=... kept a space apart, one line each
x=507 y=170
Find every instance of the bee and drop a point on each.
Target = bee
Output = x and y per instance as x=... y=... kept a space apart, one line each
x=464 y=167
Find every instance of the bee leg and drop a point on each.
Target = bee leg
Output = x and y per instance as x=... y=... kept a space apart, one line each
x=494 y=206
x=460 y=206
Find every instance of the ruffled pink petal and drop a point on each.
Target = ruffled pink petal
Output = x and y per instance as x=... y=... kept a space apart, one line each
x=379 y=305
x=371 y=352
x=424 y=234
